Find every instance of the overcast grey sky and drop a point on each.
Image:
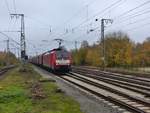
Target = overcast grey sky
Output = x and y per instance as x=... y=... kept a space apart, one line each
x=77 y=16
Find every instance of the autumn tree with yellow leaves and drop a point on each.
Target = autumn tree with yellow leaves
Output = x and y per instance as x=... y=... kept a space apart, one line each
x=121 y=51
x=142 y=53
x=118 y=48
x=4 y=58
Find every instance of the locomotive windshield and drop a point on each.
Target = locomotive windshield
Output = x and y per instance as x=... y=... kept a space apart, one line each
x=62 y=54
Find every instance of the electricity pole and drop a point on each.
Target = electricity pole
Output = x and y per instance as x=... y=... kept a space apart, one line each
x=7 y=52
x=103 y=21
x=103 y=42
x=87 y=16
x=22 y=37
x=75 y=45
x=8 y=45
x=18 y=52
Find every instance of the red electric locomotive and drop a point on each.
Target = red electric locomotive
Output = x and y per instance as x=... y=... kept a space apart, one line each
x=57 y=60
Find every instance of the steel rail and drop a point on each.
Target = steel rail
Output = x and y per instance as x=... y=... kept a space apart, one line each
x=141 y=75
x=147 y=103
x=108 y=98
x=5 y=69
x=136 y=88
x=119 y=81
x=108 y=75
x=116 y=74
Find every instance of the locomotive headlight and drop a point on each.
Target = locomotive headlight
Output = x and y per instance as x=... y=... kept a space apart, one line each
x=57 y=62
x=62 y=62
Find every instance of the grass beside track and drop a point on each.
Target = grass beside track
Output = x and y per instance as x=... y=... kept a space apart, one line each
x=21 y=92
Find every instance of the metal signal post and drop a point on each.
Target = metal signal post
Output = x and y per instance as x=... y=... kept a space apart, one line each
x=22 y=38
x=103 y=21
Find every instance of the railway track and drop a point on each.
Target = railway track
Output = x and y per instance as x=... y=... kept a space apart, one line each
x=142 y=87
x=135 y=84
x=134 y=103
x=125 y=76
x=135 y=74
x=5 y=69
x=131 y=86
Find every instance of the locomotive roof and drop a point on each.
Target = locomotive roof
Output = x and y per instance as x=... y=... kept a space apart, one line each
x=56 y=49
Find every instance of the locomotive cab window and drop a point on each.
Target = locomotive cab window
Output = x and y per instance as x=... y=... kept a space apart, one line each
x=63 y=54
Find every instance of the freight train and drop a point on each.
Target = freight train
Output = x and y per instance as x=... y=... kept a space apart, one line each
x=57 y=60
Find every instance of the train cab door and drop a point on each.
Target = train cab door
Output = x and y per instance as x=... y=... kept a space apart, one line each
x=53 y=61
x=42 y=59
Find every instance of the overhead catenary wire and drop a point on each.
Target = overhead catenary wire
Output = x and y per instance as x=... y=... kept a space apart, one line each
x=129 y=11
x=78 y=12
x=101 y=12
x=75 y=15
x=132 y=16
x=64 y=34
x=8 y=37
x=138 y=13
x=134 y=22
x=138 y=27
x=14 y=4
x=38 y=21
x=125 y=13
x=9 y=12
x=34 y=47
x=98 y=13
x=121 y=19
x=82 y=35
x=7 y=5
